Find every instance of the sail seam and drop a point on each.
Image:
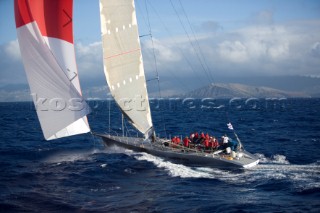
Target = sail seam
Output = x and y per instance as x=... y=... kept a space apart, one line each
x=123 y=53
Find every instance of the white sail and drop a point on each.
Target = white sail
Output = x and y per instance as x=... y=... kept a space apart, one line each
x=44 y=30
x=123 y=65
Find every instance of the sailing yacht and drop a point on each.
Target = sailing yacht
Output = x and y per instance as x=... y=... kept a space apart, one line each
x=45 y=37
x=124 y=71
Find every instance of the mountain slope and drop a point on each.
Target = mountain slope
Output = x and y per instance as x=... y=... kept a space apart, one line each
x=232 y=90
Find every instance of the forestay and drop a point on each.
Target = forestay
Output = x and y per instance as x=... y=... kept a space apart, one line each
x=45 y=36
x=123 y=65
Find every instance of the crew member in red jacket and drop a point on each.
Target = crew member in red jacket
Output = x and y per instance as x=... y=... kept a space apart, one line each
x=214 y=143
x=202 y=137
x=206 y=143
x=207 y=136
x=186 y=141
x=196 y=137
x=178 y=140
x=174 y=139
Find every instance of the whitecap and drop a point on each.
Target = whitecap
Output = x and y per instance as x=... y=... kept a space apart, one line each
x=61 y=157
x=130 y=171
x=103 y=165
x=275 y=159
x=71 y=156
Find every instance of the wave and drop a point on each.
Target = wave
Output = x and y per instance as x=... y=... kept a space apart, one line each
x=81 y=154
x=175 y=170
x=274 y=159
x=276 y=168
x=71 y=156
x=270 y=171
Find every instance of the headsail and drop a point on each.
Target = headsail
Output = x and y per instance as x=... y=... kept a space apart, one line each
x=123 y=66
x=45 y=36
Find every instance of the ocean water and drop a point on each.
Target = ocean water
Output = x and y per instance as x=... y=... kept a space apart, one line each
x=80 y=174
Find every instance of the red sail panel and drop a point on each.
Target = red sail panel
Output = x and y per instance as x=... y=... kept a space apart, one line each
x=53 y=17
x=22 y=13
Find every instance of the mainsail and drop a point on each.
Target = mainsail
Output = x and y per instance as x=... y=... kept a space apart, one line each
x=123 y=66
x=45 y=36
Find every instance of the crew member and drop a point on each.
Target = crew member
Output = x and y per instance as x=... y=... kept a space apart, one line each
x=186 y=141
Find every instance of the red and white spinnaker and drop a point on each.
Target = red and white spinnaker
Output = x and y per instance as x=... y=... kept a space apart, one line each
x=45 y=35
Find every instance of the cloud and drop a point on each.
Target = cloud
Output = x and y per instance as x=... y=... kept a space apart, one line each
x=11 y=65
x=259 y=49
x=12 y=94
x=315 y=50
x=264 y=17
x=211 y=26
x=268 y=42
x=163 y=52
x=234 y=51
x=89 y=59
x=12 y=51
x=13 y=80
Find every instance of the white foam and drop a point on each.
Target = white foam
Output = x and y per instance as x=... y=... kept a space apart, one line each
x=275 y=159
x=130 y=171
x=62 y=157
x=72 y=156
x=274 y=168
x=175 y=170
x=117 y=149
x=302 y=177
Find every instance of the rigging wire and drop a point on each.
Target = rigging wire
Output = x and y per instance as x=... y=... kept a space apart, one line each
x=192 y=45
x=192 y=38
x=155 y=63
x=177 y=46
x=196 y=41
x=199 y=49
x=153 y=51
x=109 y=114
x=126 y=129
x=141 y=13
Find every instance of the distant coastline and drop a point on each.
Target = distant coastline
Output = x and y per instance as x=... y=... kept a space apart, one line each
x=232 y=90
x=214 y=90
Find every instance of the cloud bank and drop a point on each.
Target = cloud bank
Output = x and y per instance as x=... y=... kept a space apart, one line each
x=259 y=48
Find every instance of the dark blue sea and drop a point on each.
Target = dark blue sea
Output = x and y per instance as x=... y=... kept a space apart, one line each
x=80 y=174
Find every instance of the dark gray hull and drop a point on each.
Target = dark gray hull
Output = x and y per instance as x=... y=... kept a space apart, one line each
x=181 y=156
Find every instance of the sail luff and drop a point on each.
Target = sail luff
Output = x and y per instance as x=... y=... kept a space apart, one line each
x=123 y=65
x=42 y=39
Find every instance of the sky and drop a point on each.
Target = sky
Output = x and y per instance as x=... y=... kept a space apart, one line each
x=195 y=43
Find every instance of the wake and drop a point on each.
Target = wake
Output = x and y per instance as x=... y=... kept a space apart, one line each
x=275 y=168
x=269 y=170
